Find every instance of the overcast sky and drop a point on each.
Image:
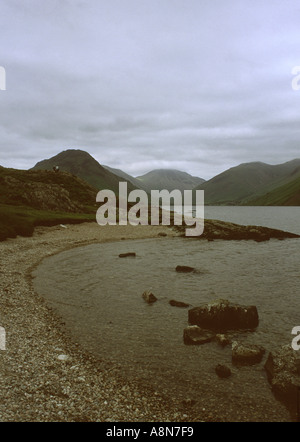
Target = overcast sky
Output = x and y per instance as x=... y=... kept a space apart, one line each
x=194 y=85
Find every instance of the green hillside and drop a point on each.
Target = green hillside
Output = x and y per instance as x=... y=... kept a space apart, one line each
x=42 y=198
x=286 y=195
x=247 y=182
x=83 y=165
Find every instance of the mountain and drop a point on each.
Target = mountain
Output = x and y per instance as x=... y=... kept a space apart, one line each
x=168 y=179
x=125 y=176
x=247 y=182
x=286 y=195
x=83 y=165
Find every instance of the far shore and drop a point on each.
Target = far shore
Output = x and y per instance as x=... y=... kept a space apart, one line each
x=44 y=375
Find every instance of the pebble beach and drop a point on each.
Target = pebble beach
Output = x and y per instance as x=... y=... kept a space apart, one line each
x=45 y=376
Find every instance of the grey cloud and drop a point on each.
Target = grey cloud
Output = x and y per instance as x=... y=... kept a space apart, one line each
x=198 y=85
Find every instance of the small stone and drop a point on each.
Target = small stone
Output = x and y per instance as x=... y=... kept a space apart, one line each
x=127 y=255
x=149 y=297
x=223 y=371
x=246 y=354
x=223 y=340
x=63 y=358
x=194 y=335
x=179 y=304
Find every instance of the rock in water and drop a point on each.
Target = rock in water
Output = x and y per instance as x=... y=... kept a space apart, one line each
x=179 y=304
x=149 y=297
x=194 y=335
x=223 y=316
x=283 y=370
x=184 y=269
x=223 y=340
x=246 y=354
x=127 y=255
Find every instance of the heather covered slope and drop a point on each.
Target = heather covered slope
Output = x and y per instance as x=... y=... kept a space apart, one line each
x=32 y=198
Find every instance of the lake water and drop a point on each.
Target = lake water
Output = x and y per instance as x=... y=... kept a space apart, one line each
x=99 y=297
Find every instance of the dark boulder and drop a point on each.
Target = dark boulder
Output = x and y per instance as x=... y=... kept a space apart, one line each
x=223 y=316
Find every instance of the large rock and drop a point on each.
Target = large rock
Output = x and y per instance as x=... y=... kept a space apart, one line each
x=223 y=316
x=194 y=335
x=247 y=354
x=283 y=370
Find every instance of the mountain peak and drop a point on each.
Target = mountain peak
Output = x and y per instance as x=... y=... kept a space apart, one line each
x=82 y=164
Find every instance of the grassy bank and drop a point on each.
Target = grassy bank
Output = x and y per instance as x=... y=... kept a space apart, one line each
x=21 y=220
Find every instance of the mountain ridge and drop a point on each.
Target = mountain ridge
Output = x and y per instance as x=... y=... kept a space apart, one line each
x=169 y=179
x=82 y=164
x=248 y=181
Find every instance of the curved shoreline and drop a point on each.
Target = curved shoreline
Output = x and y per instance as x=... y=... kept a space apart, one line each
x=36 y=385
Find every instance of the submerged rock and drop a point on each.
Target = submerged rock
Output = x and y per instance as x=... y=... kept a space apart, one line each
x=247 y=354
x=127 y=255
x=179 y=304
x=222 y=316
x=149 y=297
x=194 y=335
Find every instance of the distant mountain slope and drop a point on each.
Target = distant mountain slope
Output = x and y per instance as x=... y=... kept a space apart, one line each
x=248 y=181
x=120 y=173
x=286 y=195
x=168 y=179
x=83 y=165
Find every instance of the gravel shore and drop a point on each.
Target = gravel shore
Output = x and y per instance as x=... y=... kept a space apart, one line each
x=46 y=377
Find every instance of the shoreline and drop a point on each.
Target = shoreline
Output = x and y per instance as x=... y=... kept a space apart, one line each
x=45 y=376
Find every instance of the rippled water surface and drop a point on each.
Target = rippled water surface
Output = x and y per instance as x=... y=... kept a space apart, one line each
x=99 y=295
